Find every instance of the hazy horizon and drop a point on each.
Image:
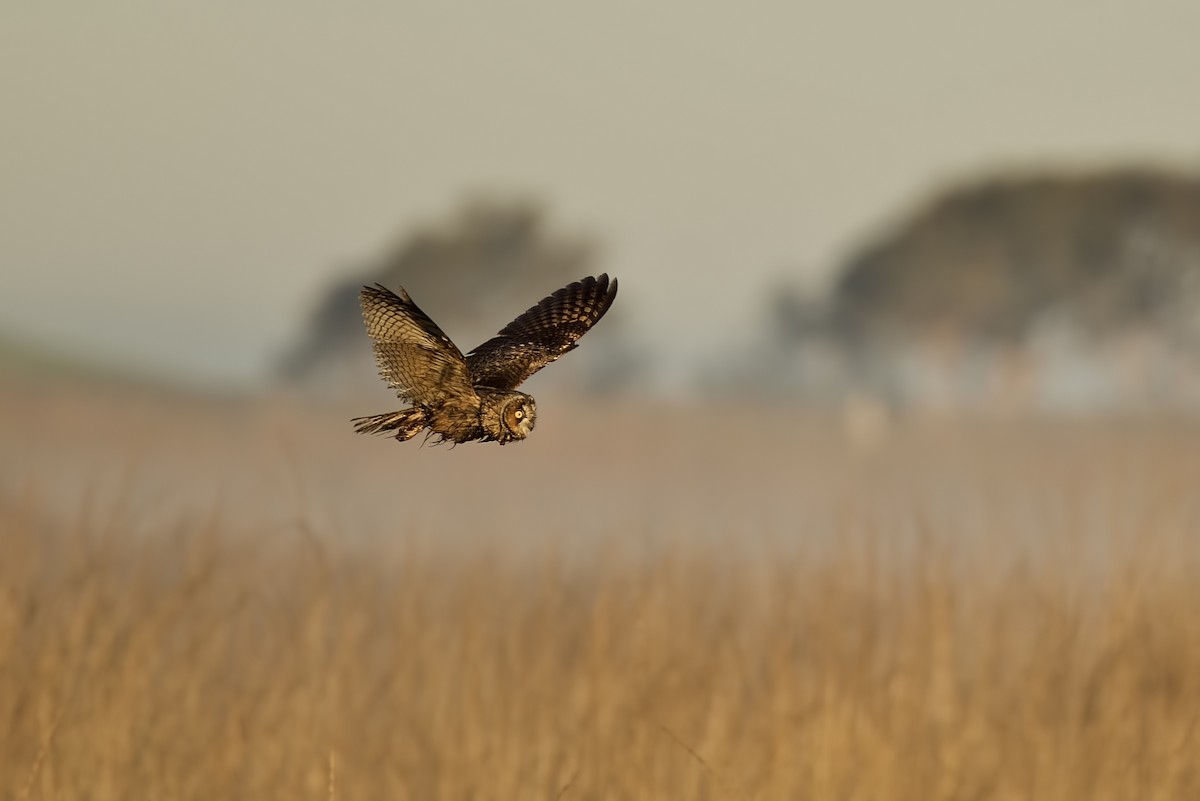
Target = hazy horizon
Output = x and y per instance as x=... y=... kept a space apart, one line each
x=182 y=182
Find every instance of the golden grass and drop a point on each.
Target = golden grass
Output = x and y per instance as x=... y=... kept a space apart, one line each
x=221 y=658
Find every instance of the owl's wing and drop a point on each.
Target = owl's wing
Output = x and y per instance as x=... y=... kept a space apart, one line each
x=542 y=334
x=415 y=357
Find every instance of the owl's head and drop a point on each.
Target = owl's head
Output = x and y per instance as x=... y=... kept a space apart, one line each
x=519 y=415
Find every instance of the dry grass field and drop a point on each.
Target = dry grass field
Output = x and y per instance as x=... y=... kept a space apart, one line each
x=244 y=600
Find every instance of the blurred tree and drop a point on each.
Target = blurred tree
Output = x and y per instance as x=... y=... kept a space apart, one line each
x=1018 y=289
x=473 y=273
x=984 y=261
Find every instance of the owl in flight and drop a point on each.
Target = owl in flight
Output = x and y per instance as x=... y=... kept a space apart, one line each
x=475 y=397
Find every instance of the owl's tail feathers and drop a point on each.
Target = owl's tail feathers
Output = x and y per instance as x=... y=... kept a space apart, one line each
x=406 y=423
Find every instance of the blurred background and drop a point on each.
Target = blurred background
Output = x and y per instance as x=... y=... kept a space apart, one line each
x=878 y=480
x=929 y=204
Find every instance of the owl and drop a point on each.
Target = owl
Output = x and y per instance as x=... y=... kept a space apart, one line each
x=461 y=399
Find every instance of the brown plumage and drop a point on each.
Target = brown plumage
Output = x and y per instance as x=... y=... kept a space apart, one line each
x=459 y=398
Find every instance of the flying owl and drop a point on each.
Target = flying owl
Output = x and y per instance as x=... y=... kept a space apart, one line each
x=475 y=397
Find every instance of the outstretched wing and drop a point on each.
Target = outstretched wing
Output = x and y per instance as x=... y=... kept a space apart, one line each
x=415 y=357
x=542 y=334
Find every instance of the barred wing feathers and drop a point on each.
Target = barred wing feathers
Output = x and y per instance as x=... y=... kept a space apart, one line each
x=542 y=334
x=415 y=357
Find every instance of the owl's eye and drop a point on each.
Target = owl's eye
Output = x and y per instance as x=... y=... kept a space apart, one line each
x=520 y=414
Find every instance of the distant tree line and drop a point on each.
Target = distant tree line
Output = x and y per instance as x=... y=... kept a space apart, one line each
x=1018 y=289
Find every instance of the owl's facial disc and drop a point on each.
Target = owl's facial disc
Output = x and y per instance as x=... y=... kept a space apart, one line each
x=520 y=416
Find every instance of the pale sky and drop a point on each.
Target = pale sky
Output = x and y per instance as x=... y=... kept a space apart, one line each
x=179 y=180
